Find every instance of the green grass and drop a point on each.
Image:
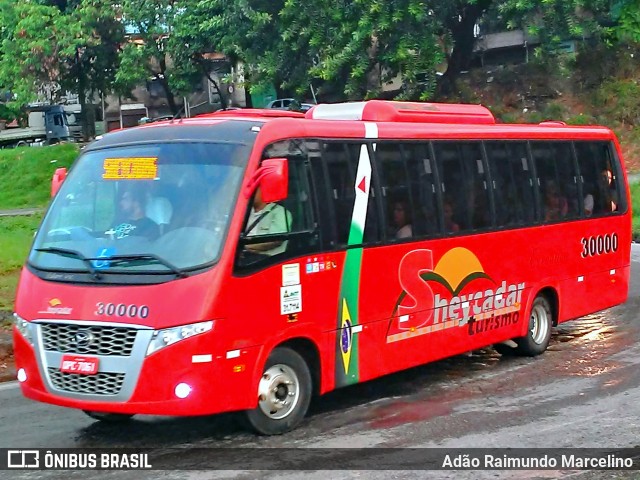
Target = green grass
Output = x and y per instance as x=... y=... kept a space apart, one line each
x=635 y=207
x=25 y=173
x=16 y=234
x=8 y=284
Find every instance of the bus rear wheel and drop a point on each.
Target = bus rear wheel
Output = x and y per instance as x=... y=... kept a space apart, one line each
x=109 y=417
x=284 y=393
x=538 y=334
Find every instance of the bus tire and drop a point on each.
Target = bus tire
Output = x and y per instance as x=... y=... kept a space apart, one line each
x=109 y=417
x=539 y=331
x=284 y=393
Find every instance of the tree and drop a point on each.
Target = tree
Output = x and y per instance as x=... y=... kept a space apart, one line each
x=91 y=52
x=349 y=46
x=458 y=20
x=556 y=20
x=146 y=55
x=627 y=14
x=58 y=45
x=187 y=46
x=357 y=45
x=29 y=50
x=242 y=30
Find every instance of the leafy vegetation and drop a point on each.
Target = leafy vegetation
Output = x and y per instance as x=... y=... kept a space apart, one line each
x=49 y=47
x=635 y=207
x=149 y=56
x=345 y=49
x=25 y=174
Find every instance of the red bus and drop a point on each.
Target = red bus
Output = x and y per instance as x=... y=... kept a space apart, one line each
x=247 y=260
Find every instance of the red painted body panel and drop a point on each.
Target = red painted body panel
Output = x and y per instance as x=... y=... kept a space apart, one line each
x=246 y=309
x=515 y=256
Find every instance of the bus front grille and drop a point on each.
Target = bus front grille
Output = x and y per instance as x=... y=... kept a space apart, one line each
x=103 y=383
x=88 y=340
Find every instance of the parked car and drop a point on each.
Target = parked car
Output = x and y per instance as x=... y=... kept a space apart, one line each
x=288 y=104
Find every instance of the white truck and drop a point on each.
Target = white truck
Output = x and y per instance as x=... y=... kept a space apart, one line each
x=47 y=125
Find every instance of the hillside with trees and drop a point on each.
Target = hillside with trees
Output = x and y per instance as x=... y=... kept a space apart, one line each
x=598 y=85
x=341 y=49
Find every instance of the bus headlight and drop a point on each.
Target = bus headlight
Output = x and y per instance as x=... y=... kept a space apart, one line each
x=23 y=327
x=169 y=336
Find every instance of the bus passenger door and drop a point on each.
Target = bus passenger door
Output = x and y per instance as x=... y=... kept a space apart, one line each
x=283 y=284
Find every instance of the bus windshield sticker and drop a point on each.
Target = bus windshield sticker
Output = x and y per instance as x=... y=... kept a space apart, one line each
x=290 y=274
x=103 y=252
x=290 y=299
x=316 y=265
x=525 y=167
x=135 y=168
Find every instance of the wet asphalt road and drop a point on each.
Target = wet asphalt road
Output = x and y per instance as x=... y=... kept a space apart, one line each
x=583 y=392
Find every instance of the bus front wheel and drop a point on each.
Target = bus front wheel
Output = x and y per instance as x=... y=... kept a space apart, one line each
x=284 y=393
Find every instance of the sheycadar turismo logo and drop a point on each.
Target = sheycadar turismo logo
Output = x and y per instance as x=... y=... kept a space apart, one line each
x=454 y=293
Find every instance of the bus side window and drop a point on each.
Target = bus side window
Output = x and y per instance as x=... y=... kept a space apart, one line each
x=341 y=160
x=288 y=226
x=599 y=178
x=397 y=201
x=464 y=186
x=422 y=188
x=557 y=180
x=511 y=182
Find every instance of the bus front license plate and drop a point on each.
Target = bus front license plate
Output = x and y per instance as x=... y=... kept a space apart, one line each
x=77 y=364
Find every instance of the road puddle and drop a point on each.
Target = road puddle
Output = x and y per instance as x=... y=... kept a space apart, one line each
x=442 y=388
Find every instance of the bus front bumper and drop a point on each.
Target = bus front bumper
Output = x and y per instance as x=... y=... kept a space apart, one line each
x=208 y=383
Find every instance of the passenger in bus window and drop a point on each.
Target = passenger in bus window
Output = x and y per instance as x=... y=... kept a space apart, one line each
x=608 y=190
x=480 y=213
x=267 y=219
x=556 y=206
x=133 y=220
x=402 y=220
x=588 y=204
x=590 y=198
x=449 y=224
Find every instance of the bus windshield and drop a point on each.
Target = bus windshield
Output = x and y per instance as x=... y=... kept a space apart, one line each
x=149 y=209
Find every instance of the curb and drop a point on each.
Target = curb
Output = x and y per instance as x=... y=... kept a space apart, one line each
x=18 y=212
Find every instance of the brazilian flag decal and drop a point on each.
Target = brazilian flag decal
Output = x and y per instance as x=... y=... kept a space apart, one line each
x=346 y=342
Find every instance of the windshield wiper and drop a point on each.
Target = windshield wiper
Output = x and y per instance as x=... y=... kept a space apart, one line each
x=65 y=252
x=116 y=259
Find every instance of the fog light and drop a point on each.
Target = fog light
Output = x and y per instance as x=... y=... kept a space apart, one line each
x=22 y=375
x=182 y=390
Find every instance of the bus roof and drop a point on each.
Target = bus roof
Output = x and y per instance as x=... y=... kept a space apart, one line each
x=395 y=120
x=415 y=119
x=413 y=112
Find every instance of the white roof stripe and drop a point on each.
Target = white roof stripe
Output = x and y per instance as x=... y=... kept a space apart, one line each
x=371 y=130
x=339 y=111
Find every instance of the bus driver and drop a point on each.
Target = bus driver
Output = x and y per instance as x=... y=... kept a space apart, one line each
x=133 y=220
x=267 y=219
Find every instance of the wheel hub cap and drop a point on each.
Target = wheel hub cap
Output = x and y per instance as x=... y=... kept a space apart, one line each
x=278 y=391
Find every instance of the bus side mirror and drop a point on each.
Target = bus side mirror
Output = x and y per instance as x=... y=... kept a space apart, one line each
x=58 y=177
x=273 y=179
